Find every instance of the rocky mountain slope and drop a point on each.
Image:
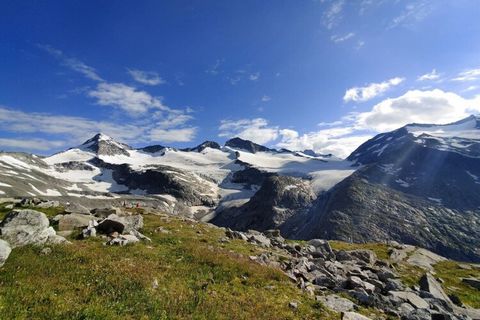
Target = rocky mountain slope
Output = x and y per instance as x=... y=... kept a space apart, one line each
x=418 y=185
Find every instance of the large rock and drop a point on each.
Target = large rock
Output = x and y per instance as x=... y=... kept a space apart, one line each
x=77 y=208
x=337 y=303
x=74 y=221
x=4 y=251
x=131 y=223
x=353 y=316
x=430 y=284
x=412 y=298
x=367 y=256
x=23 y=227
x=108 y=226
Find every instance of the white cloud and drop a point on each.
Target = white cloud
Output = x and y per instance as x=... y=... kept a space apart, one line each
x=345 y=135
x=429 y=76
x=266 y=98
x=256 y=130
x=73 y=130
x=413 y=13
x=371 y=90
x=215 y=68
x=469 y=75
x=72 y=63
x=254 y=76
x=30 y=144
x=333 y=14
x=339 y=38
x=146 y=77
x=434 y=106
x=173 y=135
x=129 y=99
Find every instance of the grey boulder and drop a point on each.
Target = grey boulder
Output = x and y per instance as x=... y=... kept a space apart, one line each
x=4 y=251
x=24 y=227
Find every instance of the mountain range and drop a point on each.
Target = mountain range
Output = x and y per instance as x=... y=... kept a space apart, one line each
x=419 y=184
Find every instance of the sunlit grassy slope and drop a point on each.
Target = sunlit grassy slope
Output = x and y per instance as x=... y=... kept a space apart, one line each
x=197 y=277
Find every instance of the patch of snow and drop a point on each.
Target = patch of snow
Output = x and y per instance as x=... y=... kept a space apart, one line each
x=439 y=201
x=4 y=184
x=380 y=151
x=73 y=187
x=13 y=162
x=290 y=187
x=2 y=192
x=474 y=177
x=48 y=192
x=402 y=183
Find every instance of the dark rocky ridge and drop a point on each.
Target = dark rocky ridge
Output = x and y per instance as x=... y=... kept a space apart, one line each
x=246 y=145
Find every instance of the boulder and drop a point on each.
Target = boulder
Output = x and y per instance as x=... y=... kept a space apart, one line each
x=108 y=226
x=322 y=247
x=76 y=208
x=260 y=239
x=355 y=282
x=4 y=251
x=353 y=316
x=23 y=227
x=123 y=240
x=131 y=223
x=430 y=284
x=411 y=297
x=367 y=256
x=73 y=221
x=337 y=303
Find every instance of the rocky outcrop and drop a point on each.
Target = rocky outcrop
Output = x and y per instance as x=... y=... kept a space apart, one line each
x=202 y=146
x=24 y=227
x=4 y=251
x=272 y=207
x=238 y=143
x=358 y=274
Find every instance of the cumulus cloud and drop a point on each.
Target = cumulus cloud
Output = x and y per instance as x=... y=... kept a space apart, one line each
x=371 y=90
x=338 y=38
x=429 y=76
x=434 y=106
x=468 y=75
x=266 y=98
x=149 y=78
x=73 y=130
x=254 y=76
x=343 y=136
x=30 y=144
x=256 y=130
x=127 y=98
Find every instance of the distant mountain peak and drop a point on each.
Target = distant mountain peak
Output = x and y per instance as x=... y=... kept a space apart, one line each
x=202 y=146
x=103 y=144
x=247 y=145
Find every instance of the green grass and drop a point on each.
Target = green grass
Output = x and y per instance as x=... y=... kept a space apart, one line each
x=380 y=249
x=198 y=278
x=451 y=273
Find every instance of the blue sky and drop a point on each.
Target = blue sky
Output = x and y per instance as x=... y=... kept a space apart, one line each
x=324 y=75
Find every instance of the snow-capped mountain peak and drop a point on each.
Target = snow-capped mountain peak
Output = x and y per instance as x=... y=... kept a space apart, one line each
x=103 y=144
x=466 y=128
